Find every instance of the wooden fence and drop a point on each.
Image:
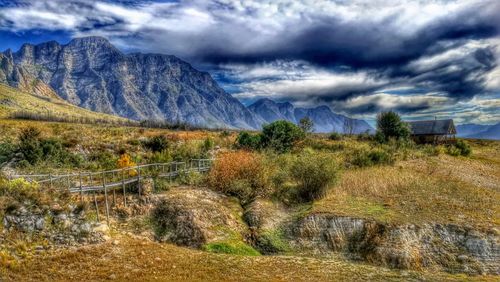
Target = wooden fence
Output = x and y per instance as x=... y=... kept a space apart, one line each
x=110 y=180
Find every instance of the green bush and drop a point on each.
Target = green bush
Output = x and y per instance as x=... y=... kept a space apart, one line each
x=281 y=135
x=335 y=136
x=463 y=148
x=156 y=143
x=377 y=156
x=29 y=145
x=35 y=149
x=390 y=126
x=208 y=144
x=246 y=140
x=190 y=178
x=7 y=150
x=314 y=174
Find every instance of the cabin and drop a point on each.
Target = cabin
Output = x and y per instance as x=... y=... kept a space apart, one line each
x=433 y=131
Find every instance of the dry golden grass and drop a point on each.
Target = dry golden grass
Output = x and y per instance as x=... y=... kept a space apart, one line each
x=140 y=260
x=404 y=194
x=14 y=100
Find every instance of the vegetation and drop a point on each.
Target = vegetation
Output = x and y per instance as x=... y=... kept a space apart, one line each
x=248 y=141
x=240 y=174
x=314 y=174
x=390 y=126
x=306 y=124
x=157 y=143
x=281 y=135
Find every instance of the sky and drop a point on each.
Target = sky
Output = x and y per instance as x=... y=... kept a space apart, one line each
x=421 y=58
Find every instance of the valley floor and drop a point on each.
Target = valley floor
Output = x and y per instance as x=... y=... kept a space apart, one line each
x=133 y=259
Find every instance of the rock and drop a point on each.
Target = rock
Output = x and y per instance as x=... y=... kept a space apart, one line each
x=193 y=217
x=115 y=242
x=462 y=258
x=112 y=276
x=102 y=228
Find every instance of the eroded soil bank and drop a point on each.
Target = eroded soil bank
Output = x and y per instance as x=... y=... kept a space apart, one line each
x=205 y=219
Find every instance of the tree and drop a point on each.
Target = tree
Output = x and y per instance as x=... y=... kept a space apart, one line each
x=349 y=126
x=246 y=140
x=390 y=125
x=281 y=135
x=306 y=124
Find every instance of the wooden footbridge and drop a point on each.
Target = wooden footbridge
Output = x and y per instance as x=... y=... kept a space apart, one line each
x=112 y=180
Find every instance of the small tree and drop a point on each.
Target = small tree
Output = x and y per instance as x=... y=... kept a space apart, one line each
x=349 y=126
x=306 y=124
x=281 y=135
x=390 y=125
x=246 y=140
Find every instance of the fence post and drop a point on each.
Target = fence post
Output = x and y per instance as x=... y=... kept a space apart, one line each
x=123 y=187
x=81 y=187
x=96 y=207
x=139 y=179
x=105 y=196
x=50 y=179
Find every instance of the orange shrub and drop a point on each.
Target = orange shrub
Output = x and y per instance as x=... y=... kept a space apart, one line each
x=125 y=161
x=241 y=174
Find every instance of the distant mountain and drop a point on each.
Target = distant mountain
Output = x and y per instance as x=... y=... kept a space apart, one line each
x=323 y=118
x=479 y=131
x=90 y=72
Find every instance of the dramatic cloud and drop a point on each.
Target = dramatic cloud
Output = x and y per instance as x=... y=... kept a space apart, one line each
x=355 y=56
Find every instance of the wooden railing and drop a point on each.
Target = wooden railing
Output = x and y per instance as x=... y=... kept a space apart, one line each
x=110 y=180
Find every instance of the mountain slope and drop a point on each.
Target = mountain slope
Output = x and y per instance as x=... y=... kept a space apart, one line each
x=323 y=118
x=12 y=101
x=92 y=73
x=479 y=131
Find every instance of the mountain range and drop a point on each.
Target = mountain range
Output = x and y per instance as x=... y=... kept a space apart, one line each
x=323 y=118
x=479 y=131
x=91 y=73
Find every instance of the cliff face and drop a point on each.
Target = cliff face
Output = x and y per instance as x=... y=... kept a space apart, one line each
x=92 y=73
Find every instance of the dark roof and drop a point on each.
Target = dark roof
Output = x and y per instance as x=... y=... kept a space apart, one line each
x=432 y=127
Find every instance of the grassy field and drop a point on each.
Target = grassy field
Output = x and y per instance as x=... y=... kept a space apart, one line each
x=134 y=259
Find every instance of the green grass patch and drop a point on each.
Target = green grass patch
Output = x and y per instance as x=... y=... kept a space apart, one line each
x=234 y=248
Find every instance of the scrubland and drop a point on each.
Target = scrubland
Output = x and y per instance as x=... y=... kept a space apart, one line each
x=353 y=176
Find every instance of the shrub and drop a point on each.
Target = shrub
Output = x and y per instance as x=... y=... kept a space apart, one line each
x=35 y=149
x=390 y=125
x=7 y=150
x=125 y=161
x=246 y=140
x=365 y=158
x=314 y=174
x=281 y=135
x=208 y=144
x=156 y=143
x=463 y=147
x=29 y=145
x=240 y=174
x=335 y=136
x=190 y=178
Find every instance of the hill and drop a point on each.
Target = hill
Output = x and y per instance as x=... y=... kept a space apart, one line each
x=16 y=102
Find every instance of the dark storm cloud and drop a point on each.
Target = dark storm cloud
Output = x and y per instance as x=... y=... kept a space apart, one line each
x=351 y=50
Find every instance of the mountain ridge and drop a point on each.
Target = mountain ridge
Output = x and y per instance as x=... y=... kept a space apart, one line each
x=92 y=73
x=324 y=119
